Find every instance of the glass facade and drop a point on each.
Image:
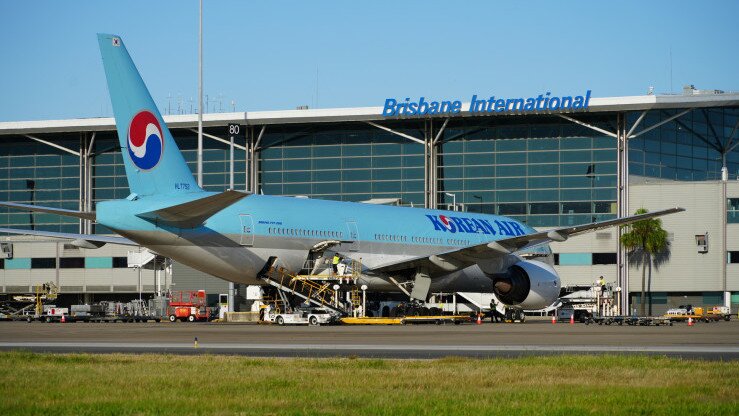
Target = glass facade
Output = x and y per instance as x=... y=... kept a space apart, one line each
x=343 y=162
x=540 y=169
x=35 y=173
x=686 y=149
x=547 y=173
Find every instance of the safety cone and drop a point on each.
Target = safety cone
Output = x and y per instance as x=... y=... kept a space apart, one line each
x=479 y=319
x=554 y=319
x=572 y=319
x=64 y=319
x=690 y=321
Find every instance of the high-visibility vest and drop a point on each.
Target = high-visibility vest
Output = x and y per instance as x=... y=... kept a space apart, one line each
x=336 y=260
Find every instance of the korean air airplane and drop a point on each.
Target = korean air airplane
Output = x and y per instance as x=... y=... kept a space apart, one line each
x=233 y=235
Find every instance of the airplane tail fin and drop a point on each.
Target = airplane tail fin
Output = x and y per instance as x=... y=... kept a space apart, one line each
x=154 y=164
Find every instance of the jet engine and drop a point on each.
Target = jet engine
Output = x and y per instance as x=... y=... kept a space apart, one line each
x=528 y=284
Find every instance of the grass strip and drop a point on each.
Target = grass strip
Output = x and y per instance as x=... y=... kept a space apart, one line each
x=159 y=384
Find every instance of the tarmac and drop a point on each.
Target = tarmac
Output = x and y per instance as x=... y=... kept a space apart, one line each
x=716 y=340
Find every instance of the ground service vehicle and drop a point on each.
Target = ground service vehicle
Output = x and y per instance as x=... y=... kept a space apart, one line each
x=306 y=316
x=699 y=313
x=189 y=306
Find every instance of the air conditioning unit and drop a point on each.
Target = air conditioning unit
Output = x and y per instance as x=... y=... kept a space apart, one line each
x=6 y=250
x=701 y=241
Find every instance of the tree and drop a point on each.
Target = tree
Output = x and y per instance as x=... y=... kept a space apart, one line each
x=645 y=240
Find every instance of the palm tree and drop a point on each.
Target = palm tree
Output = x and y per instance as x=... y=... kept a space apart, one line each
x=644 y=239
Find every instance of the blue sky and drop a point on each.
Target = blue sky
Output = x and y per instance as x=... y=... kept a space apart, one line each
x=269 y=55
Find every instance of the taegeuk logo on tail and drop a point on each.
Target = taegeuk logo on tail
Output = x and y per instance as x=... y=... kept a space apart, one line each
x=145 y=140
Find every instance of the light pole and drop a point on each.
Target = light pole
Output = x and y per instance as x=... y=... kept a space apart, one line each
x=200 y=98
x=364 y=301
x=336 y=295
x=479 y=209
x=454 y=200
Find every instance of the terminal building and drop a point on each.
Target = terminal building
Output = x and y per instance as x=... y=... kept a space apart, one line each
x=550 y=168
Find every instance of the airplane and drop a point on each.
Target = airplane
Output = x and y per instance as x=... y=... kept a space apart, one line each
x=233 y=235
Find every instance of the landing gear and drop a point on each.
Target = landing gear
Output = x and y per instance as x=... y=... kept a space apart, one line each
x=514 y=315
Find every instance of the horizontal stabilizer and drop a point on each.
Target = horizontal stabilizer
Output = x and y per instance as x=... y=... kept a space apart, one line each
x=81 y=240
x=193 y=213
x=65 y=212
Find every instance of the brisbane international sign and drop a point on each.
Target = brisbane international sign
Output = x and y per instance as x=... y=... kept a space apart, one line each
x=543 y=102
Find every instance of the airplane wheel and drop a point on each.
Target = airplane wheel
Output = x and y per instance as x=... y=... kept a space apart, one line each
x=313 y=321
x=191 y=318
x=172 y=318
x=280 y=320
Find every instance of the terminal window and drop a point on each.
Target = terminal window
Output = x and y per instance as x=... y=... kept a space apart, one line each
x=732 y=210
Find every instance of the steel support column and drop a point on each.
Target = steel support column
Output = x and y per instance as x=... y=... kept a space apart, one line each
x=429 y=165
x=622 y=200
x=252 y=161
x=83 y=180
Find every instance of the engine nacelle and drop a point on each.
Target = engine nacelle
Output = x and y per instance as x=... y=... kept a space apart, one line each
x=528 y=284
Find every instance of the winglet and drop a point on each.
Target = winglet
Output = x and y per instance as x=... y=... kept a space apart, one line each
x=194 y=213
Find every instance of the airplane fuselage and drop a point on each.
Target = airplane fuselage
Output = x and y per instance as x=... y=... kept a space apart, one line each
x=235 y=243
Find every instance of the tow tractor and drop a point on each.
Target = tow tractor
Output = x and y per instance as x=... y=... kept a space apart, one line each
x=303 y=316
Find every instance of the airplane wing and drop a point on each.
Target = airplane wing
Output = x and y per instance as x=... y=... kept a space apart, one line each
x=468 y=256
x=81 y=240
x=65 y=212
x=193 y=213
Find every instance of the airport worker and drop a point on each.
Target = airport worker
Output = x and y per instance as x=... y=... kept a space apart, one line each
x=602 y=283
x=335 y=262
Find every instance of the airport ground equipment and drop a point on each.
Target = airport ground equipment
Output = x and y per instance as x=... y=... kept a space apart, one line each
x=32 y=304
x=315 y=289
x=408 y=320
x=189 y=306
x=305 y=316
x=153 y=309
x=587 y=302
x=629 y=320
x=699 y=313
x=50 y=313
